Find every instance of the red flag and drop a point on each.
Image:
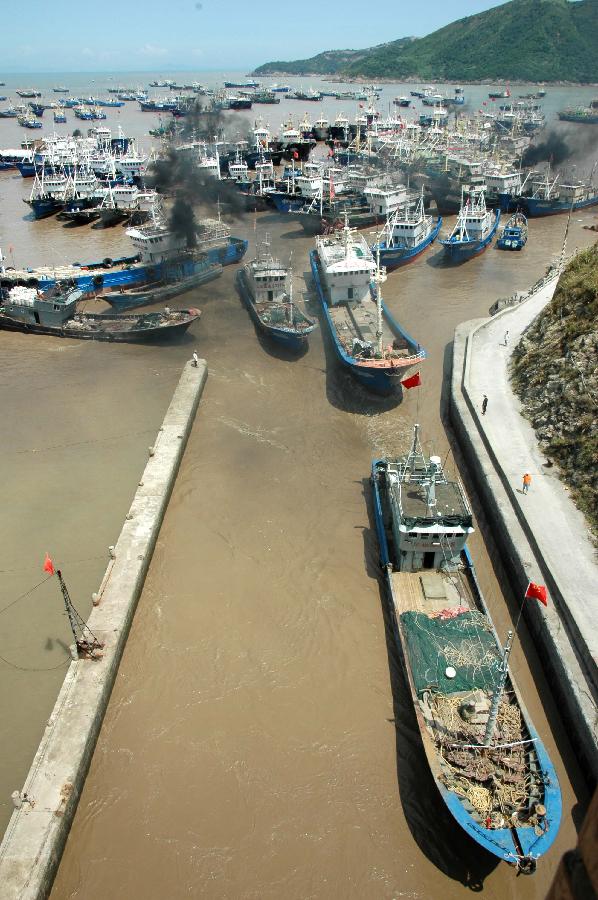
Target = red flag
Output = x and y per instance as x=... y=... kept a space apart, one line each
x=537 y=592
x=331 y=152
x=48 y=565
x=295 y=154
x=332 y=191
x=412 y=381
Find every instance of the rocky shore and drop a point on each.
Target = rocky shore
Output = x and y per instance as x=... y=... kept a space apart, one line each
x=555 y=375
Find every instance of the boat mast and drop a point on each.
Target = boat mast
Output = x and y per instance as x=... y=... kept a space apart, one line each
x=498 y=691
x=379 y=277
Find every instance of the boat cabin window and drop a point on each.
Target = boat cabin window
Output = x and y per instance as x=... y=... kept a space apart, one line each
x=270 y=295
x=349 y=293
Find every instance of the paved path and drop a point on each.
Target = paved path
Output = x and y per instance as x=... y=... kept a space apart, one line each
x=558 y=528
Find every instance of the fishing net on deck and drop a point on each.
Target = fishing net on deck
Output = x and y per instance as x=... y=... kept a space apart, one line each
x=464 y=643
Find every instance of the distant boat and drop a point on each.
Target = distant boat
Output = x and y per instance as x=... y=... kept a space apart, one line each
x=582 y=115
x=60 y=90
x=266 y=287
x=546 y=197
x=499 y=95
x=474 y=229
x=280 y=88
x=59 y=118
x=514 y=233
x=406 y=234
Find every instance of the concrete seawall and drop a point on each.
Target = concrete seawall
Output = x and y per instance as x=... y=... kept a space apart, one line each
x=547 y=544
x=34 y=840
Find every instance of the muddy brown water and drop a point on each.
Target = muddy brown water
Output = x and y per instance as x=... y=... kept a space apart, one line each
x=259 y=741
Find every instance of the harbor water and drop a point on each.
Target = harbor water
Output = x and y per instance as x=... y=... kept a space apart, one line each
x=259 y=741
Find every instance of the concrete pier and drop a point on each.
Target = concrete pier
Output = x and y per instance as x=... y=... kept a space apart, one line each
x=32 y=846
x=542 y=535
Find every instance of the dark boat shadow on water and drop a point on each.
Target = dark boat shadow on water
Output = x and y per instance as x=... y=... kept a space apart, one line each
x=343 y=391
x=433 y=828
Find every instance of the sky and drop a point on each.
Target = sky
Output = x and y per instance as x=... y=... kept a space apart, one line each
x=177 y=35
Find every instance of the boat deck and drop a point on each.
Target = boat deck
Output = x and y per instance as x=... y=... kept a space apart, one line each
x=359 y=320
x=429 y=592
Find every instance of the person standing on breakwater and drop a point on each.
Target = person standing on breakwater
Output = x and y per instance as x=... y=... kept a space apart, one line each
x=484 y=405
x=527 y=480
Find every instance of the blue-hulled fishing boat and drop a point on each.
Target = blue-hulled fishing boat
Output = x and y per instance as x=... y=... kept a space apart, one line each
x=514 y=234
x=367 y=340
x=488 y=761
x=407 y=233
x=266 y=287
x=544 y=196
x=474 y=229
x=157 y=249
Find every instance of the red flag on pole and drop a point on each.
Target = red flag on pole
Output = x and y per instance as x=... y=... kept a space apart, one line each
x=537 y=592
x=48 y=565
x=295 y=154
x=412 y=381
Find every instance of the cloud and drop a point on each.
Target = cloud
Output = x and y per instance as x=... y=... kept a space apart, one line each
x=152 y=50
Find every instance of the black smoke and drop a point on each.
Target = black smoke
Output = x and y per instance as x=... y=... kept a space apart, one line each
x=554 y=149
x=572 y=144
x=177 y=177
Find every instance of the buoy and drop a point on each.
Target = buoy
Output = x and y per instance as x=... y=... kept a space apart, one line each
x=450 y=672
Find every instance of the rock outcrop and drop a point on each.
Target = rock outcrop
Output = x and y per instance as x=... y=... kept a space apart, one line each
x=555 y=374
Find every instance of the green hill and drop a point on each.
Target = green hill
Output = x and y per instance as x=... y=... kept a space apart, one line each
x=328 y=63
x=523 y=40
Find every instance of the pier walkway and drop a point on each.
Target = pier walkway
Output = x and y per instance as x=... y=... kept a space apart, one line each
x=542 y=535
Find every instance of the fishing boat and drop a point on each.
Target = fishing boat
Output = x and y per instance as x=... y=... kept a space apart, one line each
x=514 y=234
x=59 y=117
x=406 y=234
x=266 y=287
x=48 y=194
x=367 y=340
x=60 y=89
x=474 y=229
x=156 y=292
x=28 y=310
x=487 y=760
x=582 y=115
x=499 y=95
x=160 y=255
x=544 y=196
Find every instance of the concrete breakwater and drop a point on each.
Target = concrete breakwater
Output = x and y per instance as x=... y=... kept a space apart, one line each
x=32 y=846
x=542 y=536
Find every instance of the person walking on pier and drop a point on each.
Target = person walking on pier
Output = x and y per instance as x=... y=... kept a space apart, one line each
x=484 y=405
x=506 y=343
x=527 y=480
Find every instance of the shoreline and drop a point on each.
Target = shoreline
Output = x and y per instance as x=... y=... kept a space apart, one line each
x=530 y=532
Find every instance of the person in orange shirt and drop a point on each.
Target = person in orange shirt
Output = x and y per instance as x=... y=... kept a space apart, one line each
x=527 y=480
